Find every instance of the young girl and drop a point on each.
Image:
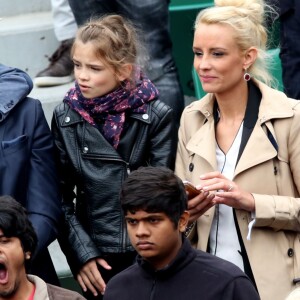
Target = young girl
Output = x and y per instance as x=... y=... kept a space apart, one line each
x=109 y=124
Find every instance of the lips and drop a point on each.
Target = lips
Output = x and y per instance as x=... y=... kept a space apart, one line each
x=144 y=245
x=206 y=78
x=84 y=88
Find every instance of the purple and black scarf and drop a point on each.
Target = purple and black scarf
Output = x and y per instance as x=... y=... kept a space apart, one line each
x=111 y=108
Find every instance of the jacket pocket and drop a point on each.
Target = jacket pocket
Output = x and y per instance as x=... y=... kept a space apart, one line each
x=15 y=144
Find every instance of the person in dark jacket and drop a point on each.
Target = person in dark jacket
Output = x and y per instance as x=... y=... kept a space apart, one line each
x=155 y=208
x=109 y=124
x=27 y=167
x=18 y=241
x=289 y=33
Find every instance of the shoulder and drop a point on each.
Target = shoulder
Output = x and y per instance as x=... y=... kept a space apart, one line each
x=60 y=109
x=124 y=277
x=199 y=109
x=56 y=292
x=29 y=103
x=131 y=278
x=29 y=110
x=127 y=274
x=159 y=108
x=216 y=267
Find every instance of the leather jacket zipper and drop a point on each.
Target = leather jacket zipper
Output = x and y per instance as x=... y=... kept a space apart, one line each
x=100 y=157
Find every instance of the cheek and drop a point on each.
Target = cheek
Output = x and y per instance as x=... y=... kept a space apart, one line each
x=101 y=81
x=131 y=234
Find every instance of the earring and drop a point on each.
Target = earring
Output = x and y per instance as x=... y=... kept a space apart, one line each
x=247 y=76
x=27 y=256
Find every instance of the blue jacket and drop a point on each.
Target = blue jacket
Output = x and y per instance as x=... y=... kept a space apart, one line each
x=27 y=169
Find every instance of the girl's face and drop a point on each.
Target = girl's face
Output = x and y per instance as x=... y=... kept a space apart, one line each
x=94 y=77
x=218 y=60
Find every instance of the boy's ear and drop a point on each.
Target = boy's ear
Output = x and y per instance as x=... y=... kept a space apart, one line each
x=27 y=255
x=183 y=221
x=125 y=72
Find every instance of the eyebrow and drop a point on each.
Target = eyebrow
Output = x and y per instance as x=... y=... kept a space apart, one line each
x=154 y=215
x=89 y=65
x=211 y=49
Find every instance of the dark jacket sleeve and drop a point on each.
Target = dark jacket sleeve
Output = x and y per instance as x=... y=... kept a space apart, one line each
x=163 y=137
x=43 y=197
x=74 y=241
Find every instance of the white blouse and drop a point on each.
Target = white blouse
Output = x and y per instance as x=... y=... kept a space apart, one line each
x=224 y=240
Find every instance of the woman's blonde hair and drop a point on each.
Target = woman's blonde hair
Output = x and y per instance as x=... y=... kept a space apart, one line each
x=116 y=41
x=247 y=18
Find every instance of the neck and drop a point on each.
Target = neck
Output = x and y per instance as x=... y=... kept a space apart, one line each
x=232 y=105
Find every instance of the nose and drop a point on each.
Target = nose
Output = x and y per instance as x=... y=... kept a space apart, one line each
x=82 y=74
x=202 y=62
x=142 y=230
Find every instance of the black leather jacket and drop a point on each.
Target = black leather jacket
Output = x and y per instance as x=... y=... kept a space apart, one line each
x=88 y=163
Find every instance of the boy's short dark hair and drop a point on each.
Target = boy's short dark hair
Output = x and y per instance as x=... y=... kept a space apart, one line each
x=154 y=189
x=14 y=222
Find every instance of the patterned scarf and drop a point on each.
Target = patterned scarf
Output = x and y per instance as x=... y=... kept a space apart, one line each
x=111 y=108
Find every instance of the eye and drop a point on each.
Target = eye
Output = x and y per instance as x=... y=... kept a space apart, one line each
x=198 y=53
x=218 y=54
x=96 y=69
x=131 y=221
x=76 y=65
x=4 y=240
x=153 y=220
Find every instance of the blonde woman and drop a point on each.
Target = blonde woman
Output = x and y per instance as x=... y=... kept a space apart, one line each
x=239 y=146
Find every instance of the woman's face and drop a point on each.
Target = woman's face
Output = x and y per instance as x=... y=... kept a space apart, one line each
x=217 y=58
x=95 y=79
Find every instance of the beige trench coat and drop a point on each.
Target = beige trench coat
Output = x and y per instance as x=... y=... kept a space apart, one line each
x=272 y=177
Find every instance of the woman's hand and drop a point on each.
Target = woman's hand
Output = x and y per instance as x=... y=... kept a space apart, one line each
x=226 y=191
x=90 y=278
x=198 y=205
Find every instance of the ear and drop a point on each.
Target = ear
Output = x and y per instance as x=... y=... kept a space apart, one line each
x=250 y=57
x=124 y=72
x=183 y=221
x=27 y=255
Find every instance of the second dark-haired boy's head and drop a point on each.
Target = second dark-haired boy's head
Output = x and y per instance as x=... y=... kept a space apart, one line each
x=14 y=222
x=154 y=189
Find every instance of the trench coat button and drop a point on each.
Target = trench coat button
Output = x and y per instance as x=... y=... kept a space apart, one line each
x=290 y=252
x=85 y=149
x=145 y=116
x=191 y=167
x=207 y=113
x=67 y=119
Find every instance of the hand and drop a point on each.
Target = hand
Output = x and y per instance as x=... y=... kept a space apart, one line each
x=90 y=278
x=198 y=205
x=226 y=191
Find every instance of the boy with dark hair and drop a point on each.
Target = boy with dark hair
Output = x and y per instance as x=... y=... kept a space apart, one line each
x=154 y=202
x=18 y=242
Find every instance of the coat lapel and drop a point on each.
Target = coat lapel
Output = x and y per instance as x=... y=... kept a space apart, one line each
x=203 y=143
x=260 y=147
x=258 y=150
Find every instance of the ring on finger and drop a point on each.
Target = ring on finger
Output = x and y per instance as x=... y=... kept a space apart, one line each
x=230 y=188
